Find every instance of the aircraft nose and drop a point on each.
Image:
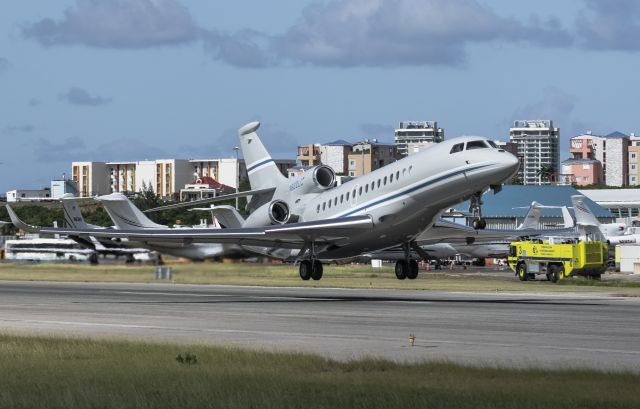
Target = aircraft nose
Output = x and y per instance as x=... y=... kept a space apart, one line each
x=510 y=162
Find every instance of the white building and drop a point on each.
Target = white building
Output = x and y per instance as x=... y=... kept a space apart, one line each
x=538 y=147
x=63 y=186
x=413 y=136
x=92 y=178
x=28 y=195
x=336 y=155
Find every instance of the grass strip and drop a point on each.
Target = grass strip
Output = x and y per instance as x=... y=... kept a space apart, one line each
x=335 y=276
x=54 y=372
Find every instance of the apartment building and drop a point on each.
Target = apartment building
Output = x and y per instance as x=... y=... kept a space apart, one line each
x=582 y=168
x=538 y=149
x=309 y=155
x=369 y=156
x=634 y=160
x=414 y=136
x=91 y=178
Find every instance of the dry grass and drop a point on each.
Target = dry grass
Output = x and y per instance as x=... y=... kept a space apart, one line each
x=347 y=276
x=48 y=372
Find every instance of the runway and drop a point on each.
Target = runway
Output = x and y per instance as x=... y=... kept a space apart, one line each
x=514 y=329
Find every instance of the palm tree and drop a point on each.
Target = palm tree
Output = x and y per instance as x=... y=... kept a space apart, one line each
x=545 y=172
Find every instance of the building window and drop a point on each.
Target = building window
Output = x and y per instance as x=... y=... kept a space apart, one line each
x=352 y=173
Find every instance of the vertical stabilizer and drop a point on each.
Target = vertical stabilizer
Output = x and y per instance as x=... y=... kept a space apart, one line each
x=124 y=214
x=262 y=170
x=72 y=215
x=584 y=215
x=532 y=219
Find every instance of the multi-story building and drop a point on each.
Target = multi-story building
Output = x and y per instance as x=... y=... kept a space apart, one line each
x=336 y=155
x=634 y=160
x=582 y=168
x=92 y=178
x=538 y=147
x=309 y=155
x=413 y=136
x=613 y=151
x=166 y=177
x=369 y=156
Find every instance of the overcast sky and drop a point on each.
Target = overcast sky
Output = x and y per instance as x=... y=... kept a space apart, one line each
x=144 y=79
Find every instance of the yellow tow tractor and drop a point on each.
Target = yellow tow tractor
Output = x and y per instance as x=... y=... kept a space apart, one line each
x=558 y=258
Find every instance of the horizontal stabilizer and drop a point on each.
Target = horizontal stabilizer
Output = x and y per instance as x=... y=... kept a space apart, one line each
x=212 y=200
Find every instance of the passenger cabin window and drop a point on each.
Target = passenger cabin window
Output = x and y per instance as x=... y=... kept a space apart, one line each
x=397 y=175
x=360 y=191
x=458 y=147
x=348 y=196
x=366 y=188
x=318 y=209
x=378 y=183
x=373 y=185
x=341 y=198
x=324 y=206
x=335 y=201
x=476 y=145
x=391 y=178
x=384 y=181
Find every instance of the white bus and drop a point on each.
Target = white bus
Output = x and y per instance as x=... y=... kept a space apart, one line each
x=46 y=250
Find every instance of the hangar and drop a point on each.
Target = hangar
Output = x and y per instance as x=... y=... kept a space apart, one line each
x=507 y=209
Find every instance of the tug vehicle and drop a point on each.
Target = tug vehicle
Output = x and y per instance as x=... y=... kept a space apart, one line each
x=558 y=258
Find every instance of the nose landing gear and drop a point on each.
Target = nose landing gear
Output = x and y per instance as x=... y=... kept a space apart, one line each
x=407 y=268
x=475 y=207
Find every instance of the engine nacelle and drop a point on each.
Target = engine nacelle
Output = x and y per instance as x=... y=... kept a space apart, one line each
x=279 y=212
x=314 y=180
x=274 y=212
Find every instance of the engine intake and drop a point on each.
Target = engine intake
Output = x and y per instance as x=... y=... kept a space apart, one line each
x=279 y=212
x=324 y=176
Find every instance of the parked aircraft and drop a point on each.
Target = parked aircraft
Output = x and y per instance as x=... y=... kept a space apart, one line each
x=391 y=205
x=608 y=232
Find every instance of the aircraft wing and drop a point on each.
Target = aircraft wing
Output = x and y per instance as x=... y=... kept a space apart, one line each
x=444 y=231
x=212 y=200
x=292 y=235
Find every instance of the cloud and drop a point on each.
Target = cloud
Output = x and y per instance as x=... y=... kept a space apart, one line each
x=80 y=96
x=11 y=130
x=71 y=148
x=117 y=24
x=4 y=65
x=349 y=33
x=381 y=132
x=609 y=25
x=279 y=143
x=555 y=104
x=75 y=149
x=34 y=102
x=244 y=48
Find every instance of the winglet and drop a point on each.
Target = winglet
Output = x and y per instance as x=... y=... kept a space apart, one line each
x=19 y=223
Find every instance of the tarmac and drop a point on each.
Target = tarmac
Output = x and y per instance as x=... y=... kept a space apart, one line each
x=549 y=330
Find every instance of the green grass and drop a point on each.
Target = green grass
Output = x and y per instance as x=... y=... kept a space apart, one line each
x=348 y=276
x=46 y=372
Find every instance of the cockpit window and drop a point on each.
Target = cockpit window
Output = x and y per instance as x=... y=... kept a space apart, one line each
x=476 y=145
x=493 y=144
x=457 y=148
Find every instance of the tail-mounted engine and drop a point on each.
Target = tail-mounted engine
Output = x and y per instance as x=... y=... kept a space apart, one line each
x=314 y=180
x=279 y=212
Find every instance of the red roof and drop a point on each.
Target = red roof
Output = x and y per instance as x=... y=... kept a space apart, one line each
x=214 y=184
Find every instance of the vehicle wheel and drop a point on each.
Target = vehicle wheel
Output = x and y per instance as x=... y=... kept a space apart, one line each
x=316 y=272
x=401 y=269
x=483 y=224
x=412 y=273
x=561 y=273
x=305 y=269
x=552 y=275
x=93 y=259
x=597 y=277
x=522 y=272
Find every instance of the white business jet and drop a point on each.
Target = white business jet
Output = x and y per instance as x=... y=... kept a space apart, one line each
x=389 y=206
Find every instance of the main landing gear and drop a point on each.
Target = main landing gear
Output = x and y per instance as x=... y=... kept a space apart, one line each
x=311 y=268
x=475 y=207
x=408 y=268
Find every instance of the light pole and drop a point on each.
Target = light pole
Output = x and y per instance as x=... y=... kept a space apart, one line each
x=235 y=148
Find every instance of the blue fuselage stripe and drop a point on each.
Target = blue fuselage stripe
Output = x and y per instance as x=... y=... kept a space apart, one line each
x=259 y=164
x=413 y=189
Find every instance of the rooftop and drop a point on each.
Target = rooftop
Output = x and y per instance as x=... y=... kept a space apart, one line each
x=507 y=203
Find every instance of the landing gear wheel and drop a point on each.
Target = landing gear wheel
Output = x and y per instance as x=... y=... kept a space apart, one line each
x=479 y=224
x=412 y=273
x=552 y=275
x=402 y=268
x=522 y=272
x=316 y=272
x=305 y=269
